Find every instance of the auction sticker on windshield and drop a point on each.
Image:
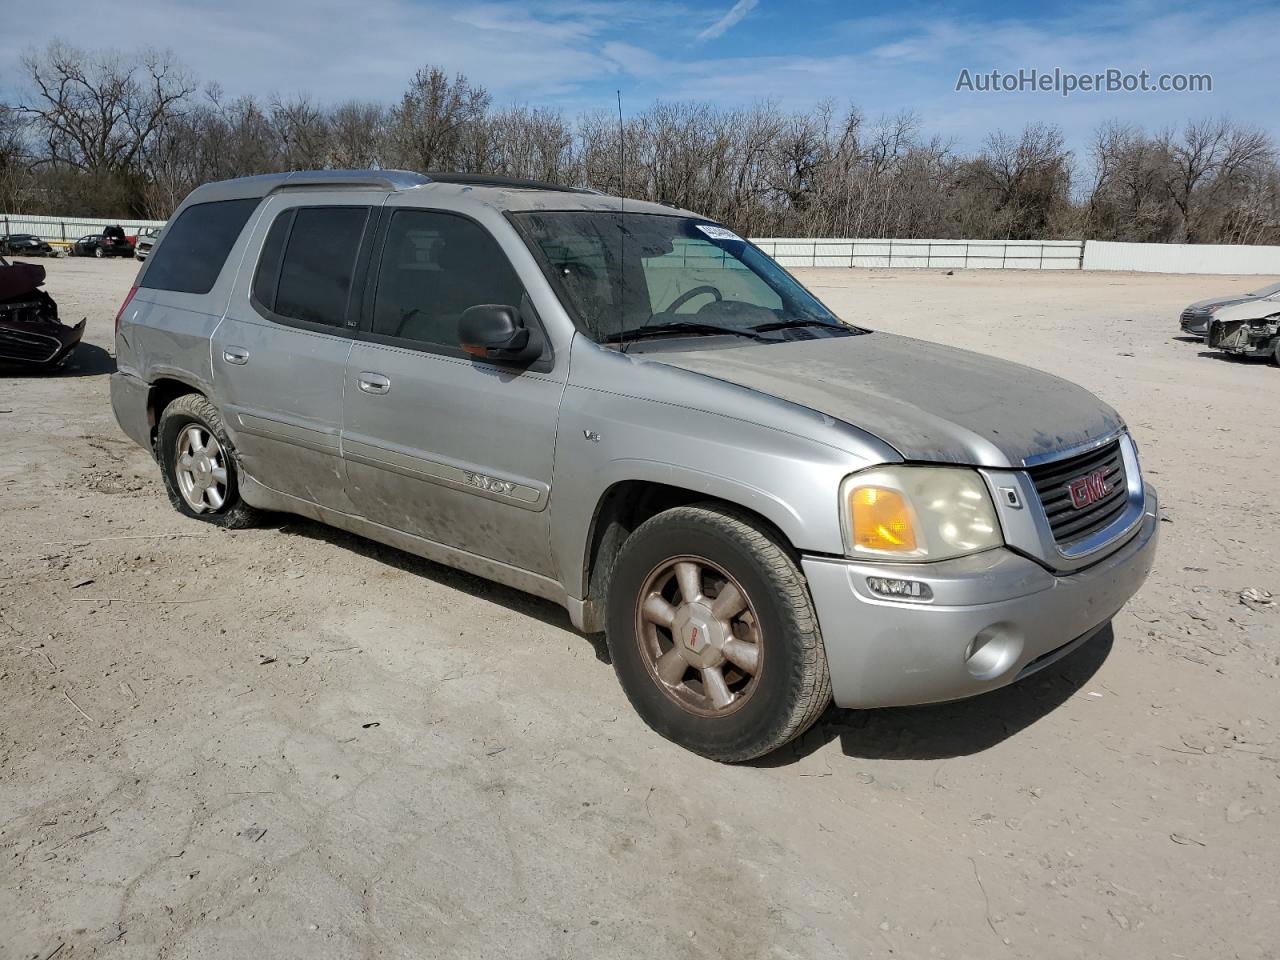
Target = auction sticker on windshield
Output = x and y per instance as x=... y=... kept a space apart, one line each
x=719 y=233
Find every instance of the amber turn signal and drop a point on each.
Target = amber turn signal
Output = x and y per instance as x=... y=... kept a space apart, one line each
x=882 y=520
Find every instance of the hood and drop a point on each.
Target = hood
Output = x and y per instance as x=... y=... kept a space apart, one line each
x=1254 y=309
x=929 y=402
x=19 y=279
x=1213 y=303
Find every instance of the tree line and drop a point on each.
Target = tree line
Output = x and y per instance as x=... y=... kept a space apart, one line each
x=129 y=135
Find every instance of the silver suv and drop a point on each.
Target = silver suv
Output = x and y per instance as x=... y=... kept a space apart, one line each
x=631 y=411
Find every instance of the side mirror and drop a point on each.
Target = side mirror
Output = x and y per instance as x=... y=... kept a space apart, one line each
x=495 y=331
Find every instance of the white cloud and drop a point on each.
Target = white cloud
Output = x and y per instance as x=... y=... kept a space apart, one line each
x=887 y=65
x=730 y=19
x=337 y=50
x=572 y=55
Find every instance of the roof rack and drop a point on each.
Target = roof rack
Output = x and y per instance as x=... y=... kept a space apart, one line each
x=492 y=180
x=390 y=180
x=382 y=179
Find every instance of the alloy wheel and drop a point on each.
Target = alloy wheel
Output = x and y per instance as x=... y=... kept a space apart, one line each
x=200 y=465
x=699 y=636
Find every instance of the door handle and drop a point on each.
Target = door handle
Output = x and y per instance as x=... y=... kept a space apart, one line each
x=236 y=355
x=374 y=382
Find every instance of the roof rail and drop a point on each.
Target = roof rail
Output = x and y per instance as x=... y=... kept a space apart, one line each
x=493 y=180
x=382 y=179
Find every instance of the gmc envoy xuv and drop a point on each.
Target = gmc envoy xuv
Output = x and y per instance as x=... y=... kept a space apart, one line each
x=631 y=411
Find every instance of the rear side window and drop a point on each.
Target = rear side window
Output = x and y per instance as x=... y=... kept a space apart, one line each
x=307 y=263
x=197 y=245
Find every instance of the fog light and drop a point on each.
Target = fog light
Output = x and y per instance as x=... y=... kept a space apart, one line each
x=899 y=589
x=993 y=651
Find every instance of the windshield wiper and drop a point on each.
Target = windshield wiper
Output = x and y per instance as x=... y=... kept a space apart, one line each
x=791 y=324
x=677 y=327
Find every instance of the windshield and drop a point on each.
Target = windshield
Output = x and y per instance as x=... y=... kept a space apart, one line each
x=629 y=276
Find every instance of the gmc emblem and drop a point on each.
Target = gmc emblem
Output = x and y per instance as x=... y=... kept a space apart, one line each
x=1088 y=489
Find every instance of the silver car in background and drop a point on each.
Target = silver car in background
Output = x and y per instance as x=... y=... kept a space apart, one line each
x=640 y=416
x=1195 y=319
x=1250 y=328
x=145 y=241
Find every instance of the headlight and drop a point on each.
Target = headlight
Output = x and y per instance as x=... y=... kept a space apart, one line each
x=917 y=513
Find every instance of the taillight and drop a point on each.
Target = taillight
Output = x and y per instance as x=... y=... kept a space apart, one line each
x=124 y=306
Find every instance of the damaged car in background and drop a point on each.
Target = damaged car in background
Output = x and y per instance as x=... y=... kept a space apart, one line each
x=1196 y=318
x=1248 y=329
x=31 y=334
x=25 y=245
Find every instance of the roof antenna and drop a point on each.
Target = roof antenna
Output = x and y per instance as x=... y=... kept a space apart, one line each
x=622 y=228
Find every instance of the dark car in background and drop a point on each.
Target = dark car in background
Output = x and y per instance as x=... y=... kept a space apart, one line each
x=111 y=242
x=25 y=245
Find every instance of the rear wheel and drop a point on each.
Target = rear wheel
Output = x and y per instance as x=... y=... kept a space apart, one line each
x=199 y=464
x=713 y=636
x=98 y=252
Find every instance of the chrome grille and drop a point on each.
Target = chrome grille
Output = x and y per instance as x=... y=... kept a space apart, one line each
x=1071 y=524
x=29 y=347
x=1194 y=316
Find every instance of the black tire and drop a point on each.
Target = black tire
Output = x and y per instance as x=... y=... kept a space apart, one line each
x=792 y=685
x=99 y=252
x=192 y=408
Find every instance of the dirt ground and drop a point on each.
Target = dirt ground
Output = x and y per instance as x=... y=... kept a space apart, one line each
x=289 y=742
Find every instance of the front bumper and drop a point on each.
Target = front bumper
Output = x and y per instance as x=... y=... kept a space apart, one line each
x=1197 y=326
x=995 y=617
x=44 y=345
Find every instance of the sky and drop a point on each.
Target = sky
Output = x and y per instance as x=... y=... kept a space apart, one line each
x=574 y=54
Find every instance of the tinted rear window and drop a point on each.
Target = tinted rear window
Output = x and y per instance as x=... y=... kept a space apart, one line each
x=312 y=281
x=197 y=245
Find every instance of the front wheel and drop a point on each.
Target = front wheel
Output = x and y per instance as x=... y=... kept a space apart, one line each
x=199 y=464
x=713 y=635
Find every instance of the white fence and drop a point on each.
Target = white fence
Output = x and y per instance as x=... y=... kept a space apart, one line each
x=67 y=229
x=1181 y=257
x=1025 y=255
x=947 y=254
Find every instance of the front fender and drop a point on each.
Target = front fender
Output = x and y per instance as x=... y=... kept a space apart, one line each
x=637 y=421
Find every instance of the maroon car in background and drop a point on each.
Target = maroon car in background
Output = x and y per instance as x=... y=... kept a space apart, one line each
x=31 y=335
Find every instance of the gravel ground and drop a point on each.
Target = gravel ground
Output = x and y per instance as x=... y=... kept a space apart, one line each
x=290 y=742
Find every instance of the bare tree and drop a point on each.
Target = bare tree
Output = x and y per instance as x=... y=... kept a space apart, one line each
x=303 y=132
x=112 y=134
x=14 y=158
x=427 y=125
x=1210 y=159
x=97 y=112
x=356 y=134
x=1025 y=181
